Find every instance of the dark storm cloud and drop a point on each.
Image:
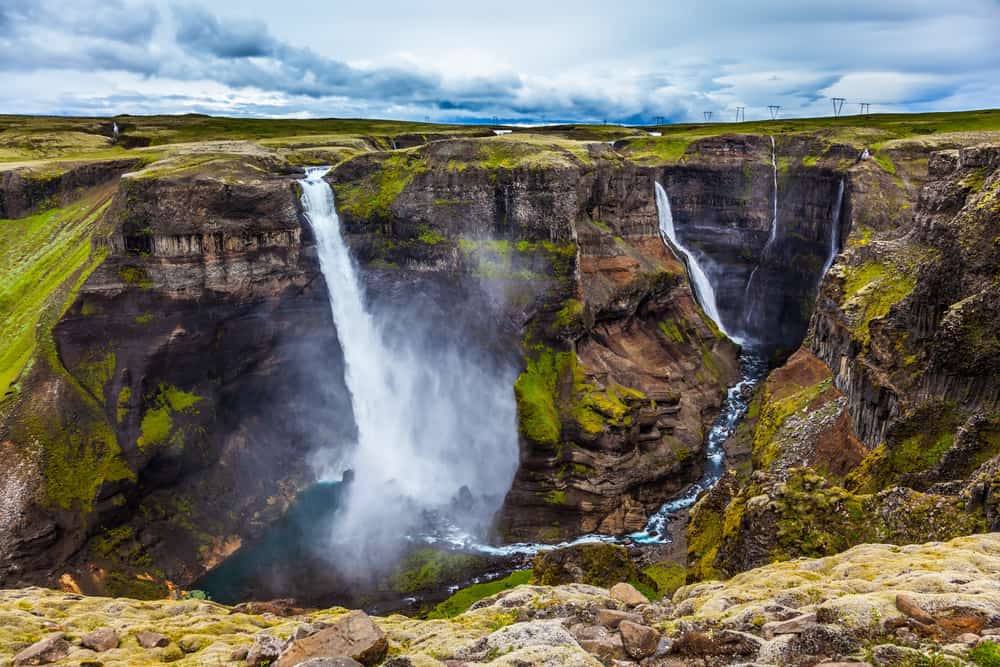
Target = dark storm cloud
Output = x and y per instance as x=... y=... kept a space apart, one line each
x=456 y=62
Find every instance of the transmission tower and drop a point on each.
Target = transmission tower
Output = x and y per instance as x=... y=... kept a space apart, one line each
x=838 y=104
x=740 y=114
x=707 y=115
x=659 y=120
x=864 y=109
x=775 y=110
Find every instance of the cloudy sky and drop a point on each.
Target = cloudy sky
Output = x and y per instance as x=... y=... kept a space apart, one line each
x=520 y=61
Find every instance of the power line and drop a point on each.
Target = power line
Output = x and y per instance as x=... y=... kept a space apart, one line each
x=707 y=115
x=838 y=105
x=775 y=110
x=740 y=114
x=864 y=108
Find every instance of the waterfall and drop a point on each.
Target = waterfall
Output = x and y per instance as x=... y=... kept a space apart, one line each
x=431 y=418
x=834 y=231
x=704 y=293
x=774 y=215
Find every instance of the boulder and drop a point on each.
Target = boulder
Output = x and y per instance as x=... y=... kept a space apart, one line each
x=353 y=635
x=329 y=662
x=907 y=605
x=265 y=650
x=150 y=639
x=43 y=652
x=611 y=618
x=628 y=595
x=792 y=626
x=532 y=633
x=100 y=640
x=640 y=641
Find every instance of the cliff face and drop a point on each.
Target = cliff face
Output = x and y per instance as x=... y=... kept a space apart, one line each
x=890 y=407
x=192 y=371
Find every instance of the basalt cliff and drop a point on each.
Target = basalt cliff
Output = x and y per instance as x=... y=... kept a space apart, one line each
x=173 y=369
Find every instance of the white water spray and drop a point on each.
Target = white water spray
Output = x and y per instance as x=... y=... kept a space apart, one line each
x=430 y=419
x=834 y=231
x=703 y=290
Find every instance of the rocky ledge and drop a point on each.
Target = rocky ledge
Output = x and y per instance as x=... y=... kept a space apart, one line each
x=921 y=604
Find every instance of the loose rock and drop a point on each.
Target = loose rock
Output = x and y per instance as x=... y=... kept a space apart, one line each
x=628 y=595
x=640 y=641
x=100 y=640
x=43 y=652
x=148 y=639
x=353 y=635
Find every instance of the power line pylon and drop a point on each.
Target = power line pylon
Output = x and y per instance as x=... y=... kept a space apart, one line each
x=707 y=115
x=864 y=109
x=740 y=114
x=838 y=105
x=775 y=110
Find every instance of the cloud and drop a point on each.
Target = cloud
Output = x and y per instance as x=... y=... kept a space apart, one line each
x=454 y=62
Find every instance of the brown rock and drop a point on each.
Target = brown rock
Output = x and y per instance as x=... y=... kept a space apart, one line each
x=605 y=649
x=968 y=638
x=640 y=641
x=909 y=606
x=353 y=635
x=100 y=640
x=329 y=662
x=628 y=595
x=611 y=618
x=43 y=652
x=792 y=626
x=148 y=639
x=265 y=650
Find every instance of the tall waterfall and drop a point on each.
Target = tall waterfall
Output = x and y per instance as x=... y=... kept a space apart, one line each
x=703 y=290
x=834 y=231
x=431 y=419
x=748 y=295
x=774 y=214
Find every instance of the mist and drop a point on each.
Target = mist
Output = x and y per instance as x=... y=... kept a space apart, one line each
x=436 y=447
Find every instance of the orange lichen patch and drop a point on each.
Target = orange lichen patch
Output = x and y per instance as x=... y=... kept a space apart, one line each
x=68 y=584
x=620 y=269
x=801 y=370
x=221 y=549
x=838 y=450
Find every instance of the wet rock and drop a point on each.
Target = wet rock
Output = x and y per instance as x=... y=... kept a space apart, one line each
x=597 y=564
x=353 y=635
x=43 y=652
x=150 y=639
x=640 y=641
x=100 y=640
x=628 y=595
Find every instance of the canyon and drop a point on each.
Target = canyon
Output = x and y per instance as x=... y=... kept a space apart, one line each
x=175 y=378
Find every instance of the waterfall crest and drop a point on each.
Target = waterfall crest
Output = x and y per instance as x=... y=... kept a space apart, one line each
x=431 y=419
x=704 y=293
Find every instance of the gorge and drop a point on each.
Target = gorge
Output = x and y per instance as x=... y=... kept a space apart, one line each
x=507 y=339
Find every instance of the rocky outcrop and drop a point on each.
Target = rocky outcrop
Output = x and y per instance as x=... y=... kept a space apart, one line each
x=24 y=190
x=871 y=603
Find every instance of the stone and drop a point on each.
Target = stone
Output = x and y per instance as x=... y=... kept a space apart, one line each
x=907 y=605
x=353 y=635
x=990 y=632
x=595 y=563
x=150 y=639
x=606 y=649
x=239 y=654
x=43 y=652
x=265 y=650
x=967 y=638
x=824 y=640
x=628 y=595
x=792 y=626
x=611 y=618
x=534 y=633
x=329 y=662
x=100 y=640
x=640 y=641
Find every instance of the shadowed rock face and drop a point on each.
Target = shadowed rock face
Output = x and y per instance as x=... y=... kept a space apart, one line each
x=24 y=190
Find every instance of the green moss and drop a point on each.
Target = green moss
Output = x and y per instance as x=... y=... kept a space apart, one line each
x=870 y=291
x=461 y=600
x=46 y=257
x=596 y=563
x=657 y=150
x=373 y=194
x=918 y=444
x=158 y=428
x=96 y=371
x=136 y=276
x=766 y=446
x=667 y=577
x=986 y=654
x=555 y=497
x=119 y=584
x=885 y=162
x=602 y=226
x=429 y=568
x=124 y=397
x=569 y=313
x=429 y=236
x=536 y=393
x=704 y=535
x=144 y=319
x=672 y=331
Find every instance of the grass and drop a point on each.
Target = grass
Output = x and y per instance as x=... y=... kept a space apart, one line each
x=870 y=291
x=462 y=600
x=41 y=254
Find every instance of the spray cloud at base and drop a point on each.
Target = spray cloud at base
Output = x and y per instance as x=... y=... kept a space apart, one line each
x=436 y=444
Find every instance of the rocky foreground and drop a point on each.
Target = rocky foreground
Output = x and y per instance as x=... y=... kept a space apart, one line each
x=937 y=603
